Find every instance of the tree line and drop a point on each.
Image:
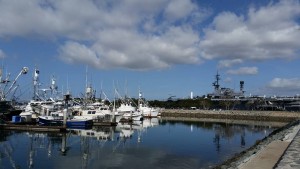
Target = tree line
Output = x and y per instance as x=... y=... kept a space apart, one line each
x=208 y=104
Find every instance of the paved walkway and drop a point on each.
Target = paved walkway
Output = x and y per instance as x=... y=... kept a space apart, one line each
x=285 y=153
x=291 y=157
x=268 y=157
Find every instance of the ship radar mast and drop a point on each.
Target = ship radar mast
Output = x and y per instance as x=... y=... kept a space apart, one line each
x=216 y=83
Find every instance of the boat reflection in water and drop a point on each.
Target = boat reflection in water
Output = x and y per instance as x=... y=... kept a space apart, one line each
x=152 y=143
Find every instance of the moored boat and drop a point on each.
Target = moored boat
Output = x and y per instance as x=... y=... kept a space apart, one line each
x=127 y=111
x=7 y=106
x=144 y=108
x=57 y=119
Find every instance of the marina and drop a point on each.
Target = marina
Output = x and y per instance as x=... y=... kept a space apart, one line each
x=103 y=133
x=166 y=84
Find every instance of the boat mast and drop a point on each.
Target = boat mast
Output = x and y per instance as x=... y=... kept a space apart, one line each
x=101 y=92
x=1 y=91
x=53 y=86
x=114 y=107
x=140 y=98
x=86 y=83
x=89 y=92
x=23 y=71
x=35 y=83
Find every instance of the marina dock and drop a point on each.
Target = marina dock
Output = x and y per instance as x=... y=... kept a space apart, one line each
x=32 y=128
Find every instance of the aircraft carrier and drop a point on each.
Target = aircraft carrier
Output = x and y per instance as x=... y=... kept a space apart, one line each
x=289 y=103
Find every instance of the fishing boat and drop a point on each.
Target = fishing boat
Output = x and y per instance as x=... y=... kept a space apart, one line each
x=79 y=124
x=7 y=110
x=127 y=111
x=57 y=119
x=144 y=108
x=41 y=104
x=95 y=111
x=148 y=111
x=7 y=106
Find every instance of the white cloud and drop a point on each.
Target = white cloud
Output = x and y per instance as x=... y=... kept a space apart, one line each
x=153 y=34
x=282 y=87
x=178 y=9
x=2 y=54
x=114 y=49
x=244 y=71
x=265 y=33
x=285 y=84
x=229 y=63
x=228 y=79
x=129 y=34
x=49 y=18
x=73 y=52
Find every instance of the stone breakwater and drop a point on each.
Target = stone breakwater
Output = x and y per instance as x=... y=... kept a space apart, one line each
x=282 y=116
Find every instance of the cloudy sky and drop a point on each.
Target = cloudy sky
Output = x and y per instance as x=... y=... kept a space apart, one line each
x=163 y=47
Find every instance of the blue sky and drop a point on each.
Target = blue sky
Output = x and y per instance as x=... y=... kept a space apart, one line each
x=163 y=47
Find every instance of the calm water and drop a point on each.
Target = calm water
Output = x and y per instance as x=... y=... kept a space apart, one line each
x=153 y=143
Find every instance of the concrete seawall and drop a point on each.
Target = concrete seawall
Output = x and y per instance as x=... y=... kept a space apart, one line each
x=282 y=116
x=267 y=152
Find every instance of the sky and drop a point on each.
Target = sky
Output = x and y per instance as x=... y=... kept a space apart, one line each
x=162 y=47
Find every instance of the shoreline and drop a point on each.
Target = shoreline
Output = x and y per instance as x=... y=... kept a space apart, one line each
x=226 y=121
x=281 y=116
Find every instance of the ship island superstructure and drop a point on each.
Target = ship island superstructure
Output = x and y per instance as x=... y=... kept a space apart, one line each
x=225 y=93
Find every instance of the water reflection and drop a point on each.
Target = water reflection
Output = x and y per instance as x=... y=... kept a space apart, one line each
x=152 y=143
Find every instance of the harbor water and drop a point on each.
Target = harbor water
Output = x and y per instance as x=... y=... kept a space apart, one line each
x=152 y=143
